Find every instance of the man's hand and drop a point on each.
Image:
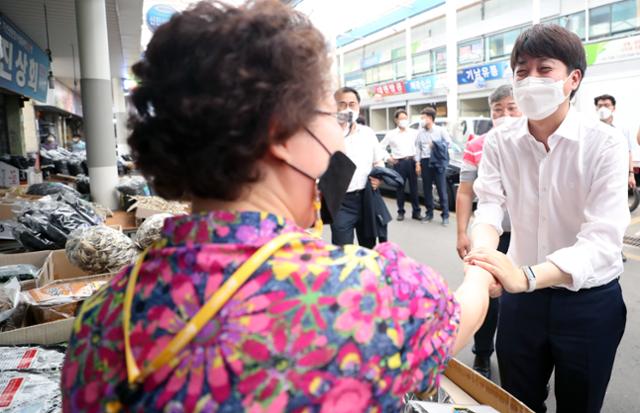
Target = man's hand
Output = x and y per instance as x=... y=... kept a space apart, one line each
x=392 y=160
x=375 y=183
x=418 y=168
x=632 y=181
x=500 y=266
x=463 y=245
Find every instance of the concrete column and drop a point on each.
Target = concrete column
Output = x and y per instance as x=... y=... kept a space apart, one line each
x=91 y=21
x=120 y=116
x=452 y=65
x=30 y=126
x=408 y=40
x=535 y=11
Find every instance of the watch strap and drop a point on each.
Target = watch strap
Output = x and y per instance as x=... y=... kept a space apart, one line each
x=531 y=278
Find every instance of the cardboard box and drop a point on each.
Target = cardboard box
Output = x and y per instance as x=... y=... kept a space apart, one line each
x=37 y=259
x=57 y=267
x=126 y=220
x=466 y=386
x=9 y=175
x=44 y=334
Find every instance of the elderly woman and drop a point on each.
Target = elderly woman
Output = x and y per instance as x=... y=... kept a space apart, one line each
x=239 y=307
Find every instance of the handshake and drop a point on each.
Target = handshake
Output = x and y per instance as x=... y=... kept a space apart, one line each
x=498 y=269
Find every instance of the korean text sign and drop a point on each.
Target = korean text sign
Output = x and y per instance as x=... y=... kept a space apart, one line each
x=24 y=67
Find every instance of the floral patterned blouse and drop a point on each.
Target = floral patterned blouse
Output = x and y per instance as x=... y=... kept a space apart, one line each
x=318 y=328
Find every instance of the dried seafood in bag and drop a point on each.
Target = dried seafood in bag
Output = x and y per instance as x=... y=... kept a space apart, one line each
x=100 y=249
x=151 y=230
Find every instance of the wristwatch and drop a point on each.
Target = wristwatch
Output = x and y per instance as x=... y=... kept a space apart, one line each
x=531 y=278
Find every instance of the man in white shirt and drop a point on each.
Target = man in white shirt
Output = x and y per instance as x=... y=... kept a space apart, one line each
x=562 y=178
x=606 y=107
x=433 y=170
x=361 y=146
x=402 y=142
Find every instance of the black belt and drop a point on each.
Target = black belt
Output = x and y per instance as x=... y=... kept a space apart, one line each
x=406 y=158
x=358 y=192
x=586 y=290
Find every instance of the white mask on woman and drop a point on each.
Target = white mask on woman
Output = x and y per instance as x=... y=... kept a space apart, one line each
x=539 y=97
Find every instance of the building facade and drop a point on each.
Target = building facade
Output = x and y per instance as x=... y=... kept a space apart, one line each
x=403 y=60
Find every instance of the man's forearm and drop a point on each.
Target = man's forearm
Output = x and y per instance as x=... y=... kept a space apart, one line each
x=464 y=205
x=548 y=275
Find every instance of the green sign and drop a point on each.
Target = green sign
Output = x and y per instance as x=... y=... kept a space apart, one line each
x=613 y=50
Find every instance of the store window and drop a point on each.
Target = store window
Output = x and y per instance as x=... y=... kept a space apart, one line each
x=422 y=63
x=441 y=59
x=470 y=15
x=471 y=52
x=624 y=16
x=599 y=21
x=613 y=18
x=500 y=45
x=573 y=22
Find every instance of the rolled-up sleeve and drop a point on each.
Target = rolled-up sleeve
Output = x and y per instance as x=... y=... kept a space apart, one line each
x=489 y=187
x=599 y=241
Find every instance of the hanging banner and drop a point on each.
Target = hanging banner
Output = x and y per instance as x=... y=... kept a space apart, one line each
x=24 y=67
x=613 y=50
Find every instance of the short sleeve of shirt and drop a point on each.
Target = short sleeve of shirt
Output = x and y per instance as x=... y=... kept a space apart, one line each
x=473 y=151
x=425 y=315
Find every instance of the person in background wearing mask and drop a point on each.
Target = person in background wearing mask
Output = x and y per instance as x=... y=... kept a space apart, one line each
x=432 y=171
x=402 y=141
x=503 y=111
x=361 y=146
x=562 y=178
x=606 y=106
x=77 y=144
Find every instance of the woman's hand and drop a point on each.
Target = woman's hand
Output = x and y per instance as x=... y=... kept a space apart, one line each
x=500 y=266
x=463 y=245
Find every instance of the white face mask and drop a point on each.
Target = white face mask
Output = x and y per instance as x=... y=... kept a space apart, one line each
x=404 y=124
x=501 y=121
x=604 y=113
x=539 y=97
x=352 y=115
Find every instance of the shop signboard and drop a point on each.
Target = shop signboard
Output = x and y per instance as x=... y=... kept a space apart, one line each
x=613 y=50
x=390 y=89
x=425 y=84
x=24 y=67
x=480 y=74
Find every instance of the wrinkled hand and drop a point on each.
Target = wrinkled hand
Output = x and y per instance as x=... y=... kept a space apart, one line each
x=632 y=181
x=500 y=266
x=375 y=183
x=463 y=245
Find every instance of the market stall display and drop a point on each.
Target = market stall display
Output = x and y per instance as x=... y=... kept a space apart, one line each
x=100 y=249
x=151 y=230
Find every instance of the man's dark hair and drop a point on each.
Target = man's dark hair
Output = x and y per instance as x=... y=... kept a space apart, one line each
x=551 y=41
x=399 y=112
x=604 y=97
x=347 y=89
x=218 y=85
x=429 y=111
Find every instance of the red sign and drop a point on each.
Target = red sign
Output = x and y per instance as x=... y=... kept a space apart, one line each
x=9 y=392
x=390 y=89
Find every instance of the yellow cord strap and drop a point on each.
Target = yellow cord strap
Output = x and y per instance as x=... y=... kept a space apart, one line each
x=169 y=355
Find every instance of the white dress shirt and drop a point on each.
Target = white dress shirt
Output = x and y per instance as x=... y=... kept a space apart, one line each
x=632 y=143
x=363 y=149
x=425 y=140
x=402 y=142
x=567 y=206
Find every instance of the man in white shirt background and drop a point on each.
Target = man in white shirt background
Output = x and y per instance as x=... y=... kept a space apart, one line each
x=562 y=178
x=361 y=146
x=402 y=141
x=432 y=170
x=606 y=107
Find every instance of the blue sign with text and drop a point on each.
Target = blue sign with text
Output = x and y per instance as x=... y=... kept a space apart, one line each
x=480 y=74
x=424 y=84
x=24 y=67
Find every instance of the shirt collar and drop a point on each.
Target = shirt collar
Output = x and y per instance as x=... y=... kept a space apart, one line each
x=250 y=228
x=568 y=129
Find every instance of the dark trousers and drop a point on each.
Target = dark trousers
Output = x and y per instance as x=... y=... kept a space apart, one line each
x=431 y=175
x=350 y=217
x=577 y=333
x=483 y=339
x=407 y=169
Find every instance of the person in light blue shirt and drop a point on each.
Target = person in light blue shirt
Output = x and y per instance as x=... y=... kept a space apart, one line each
x=77 y=144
